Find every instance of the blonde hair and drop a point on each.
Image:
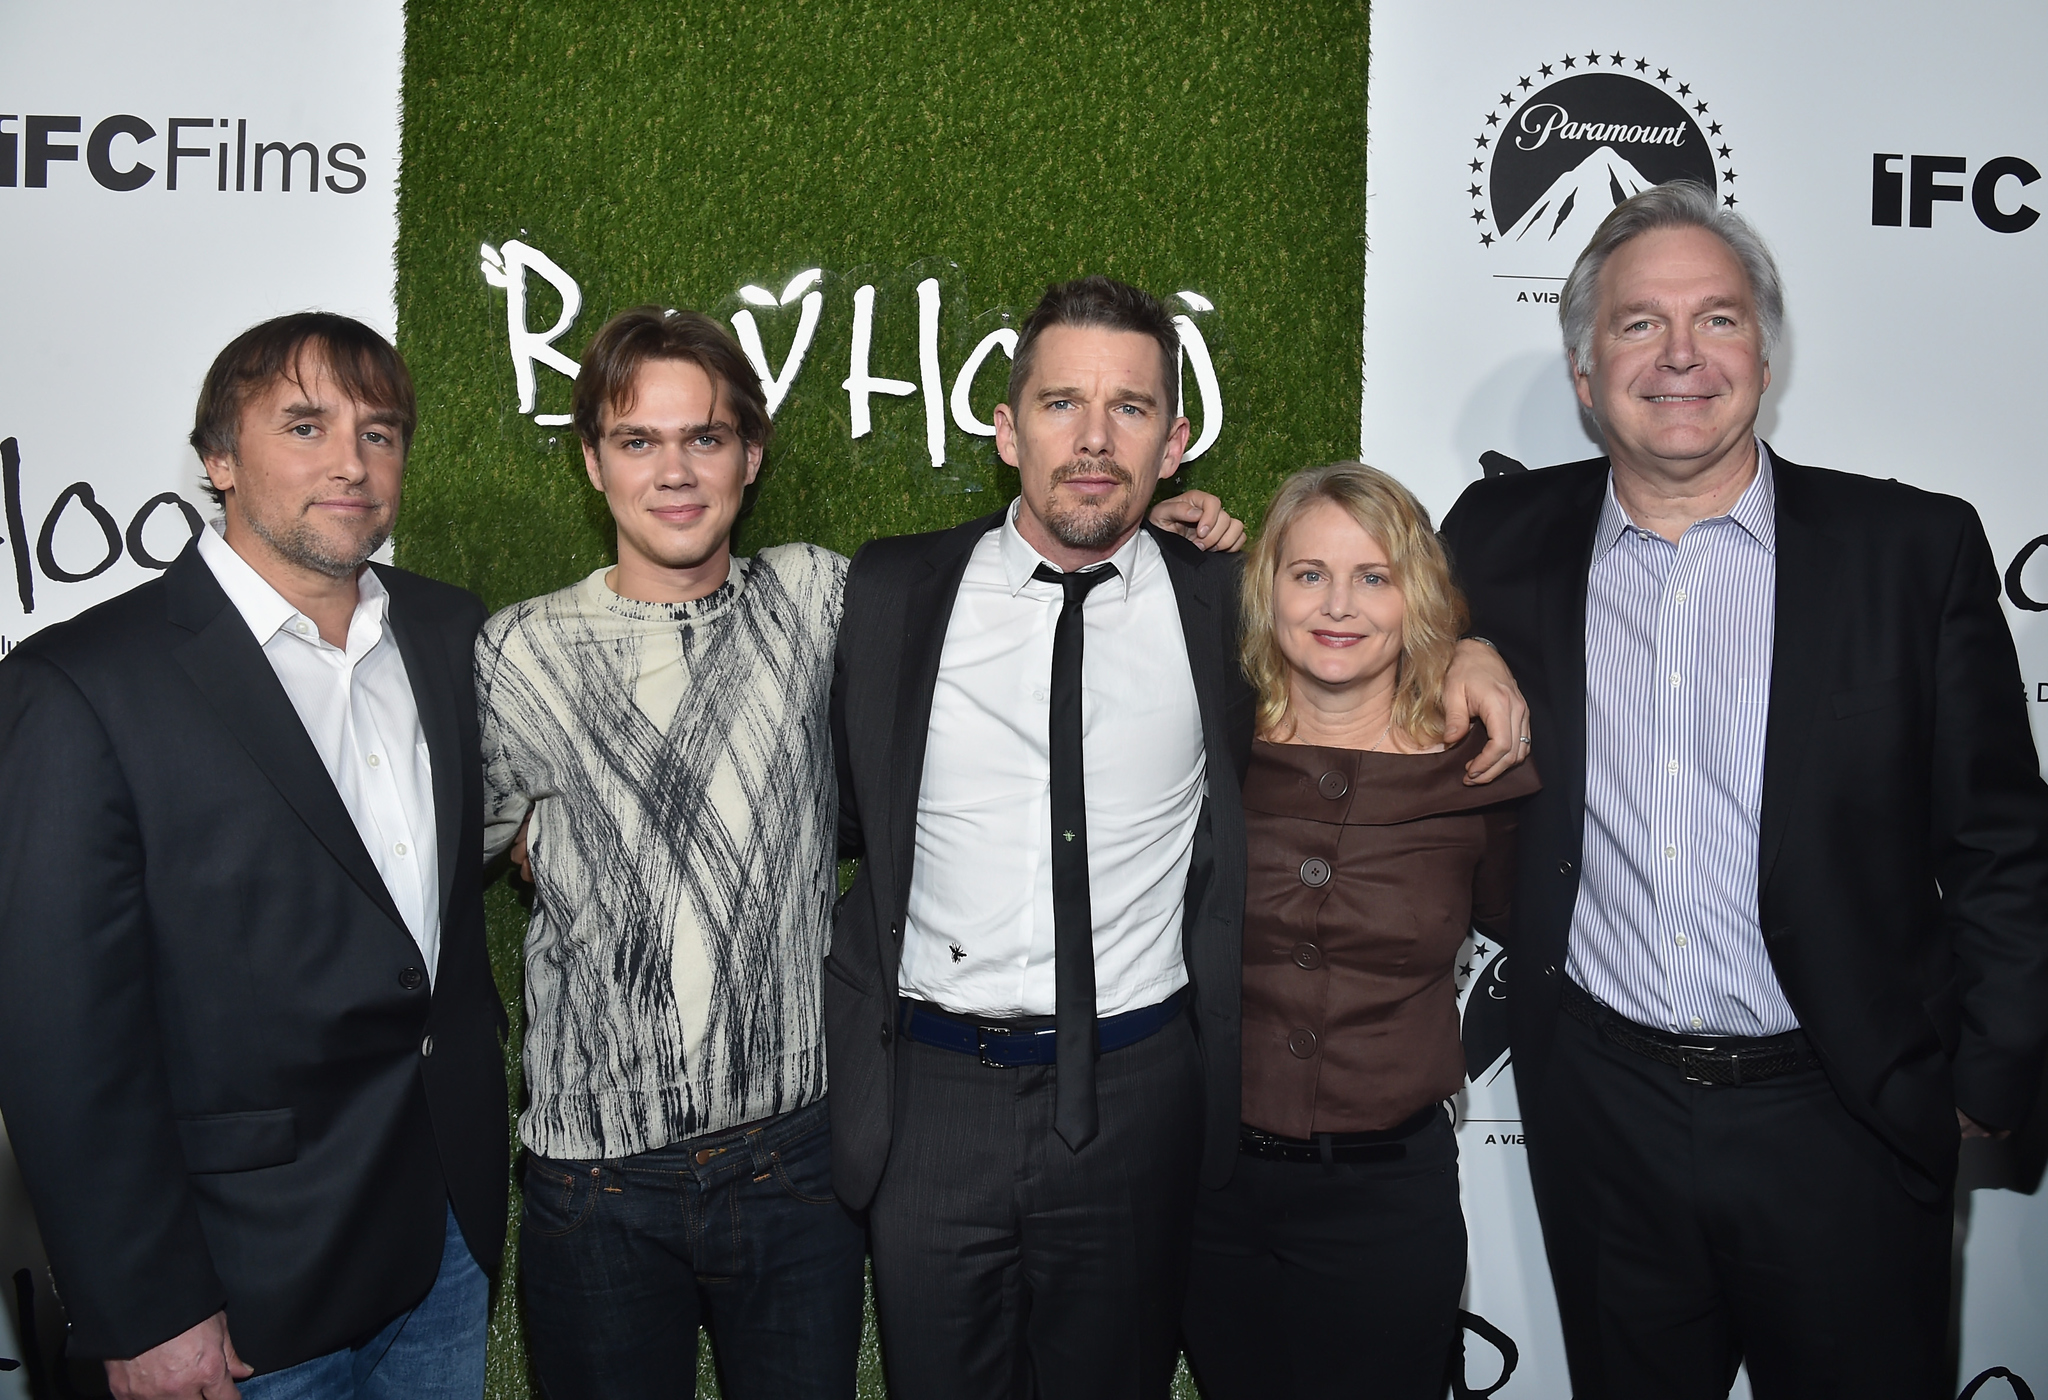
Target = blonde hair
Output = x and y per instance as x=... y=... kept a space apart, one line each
x=1435 y=613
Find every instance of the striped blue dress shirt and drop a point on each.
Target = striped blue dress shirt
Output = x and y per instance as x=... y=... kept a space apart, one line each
x=1678 y=676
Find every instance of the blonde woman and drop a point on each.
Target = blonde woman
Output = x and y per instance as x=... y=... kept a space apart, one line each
x=1332 y=1261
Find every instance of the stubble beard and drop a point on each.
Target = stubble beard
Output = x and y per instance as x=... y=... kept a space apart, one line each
x=1088 y=525
x=299 y=543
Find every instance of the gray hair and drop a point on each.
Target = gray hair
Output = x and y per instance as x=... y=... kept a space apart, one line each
x=1680 y=204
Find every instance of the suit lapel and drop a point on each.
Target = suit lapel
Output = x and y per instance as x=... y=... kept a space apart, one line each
x=230 y=670
x=1563 y=612
x=1801 y=652
x=1205 y=646
x=927 y=611
x=433 y=693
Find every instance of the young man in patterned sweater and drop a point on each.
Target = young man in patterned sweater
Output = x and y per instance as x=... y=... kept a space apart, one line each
x=658 y=735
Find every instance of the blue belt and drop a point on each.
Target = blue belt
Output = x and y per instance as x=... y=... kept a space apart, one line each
x=1010 y=1047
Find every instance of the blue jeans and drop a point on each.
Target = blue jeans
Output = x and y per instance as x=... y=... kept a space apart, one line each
x=622 y=1261
x=432 y=1351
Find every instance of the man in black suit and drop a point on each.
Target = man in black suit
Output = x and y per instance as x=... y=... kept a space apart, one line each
x=1781 y=932
x=249 y=1041
x=1032 y=996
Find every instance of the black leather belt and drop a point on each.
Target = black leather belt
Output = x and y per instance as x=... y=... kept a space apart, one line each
x=1326 y=1148
x=1707 y=1059
x=1013 y=1044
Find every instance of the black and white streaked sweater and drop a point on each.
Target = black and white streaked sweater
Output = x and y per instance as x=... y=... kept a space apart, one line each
x=677 y=760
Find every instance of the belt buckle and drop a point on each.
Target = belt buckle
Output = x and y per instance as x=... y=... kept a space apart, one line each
x=1692 y=1078
x=981 y=1037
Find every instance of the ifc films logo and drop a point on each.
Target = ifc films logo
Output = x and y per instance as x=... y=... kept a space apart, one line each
x=1569 y=141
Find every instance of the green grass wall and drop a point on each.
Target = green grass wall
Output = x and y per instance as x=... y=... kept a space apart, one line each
x=675 y=152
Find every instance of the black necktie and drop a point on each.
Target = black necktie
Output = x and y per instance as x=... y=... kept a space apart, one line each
x=1073 y=921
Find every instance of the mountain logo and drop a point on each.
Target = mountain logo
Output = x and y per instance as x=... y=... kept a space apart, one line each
x=1567 y=143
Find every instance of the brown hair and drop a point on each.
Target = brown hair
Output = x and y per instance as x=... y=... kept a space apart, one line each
x=363 y=363
x=1435 y=611
x=1096 y=301
x=630 y=339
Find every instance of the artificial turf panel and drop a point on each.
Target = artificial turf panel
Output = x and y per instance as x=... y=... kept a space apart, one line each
x=674 y=152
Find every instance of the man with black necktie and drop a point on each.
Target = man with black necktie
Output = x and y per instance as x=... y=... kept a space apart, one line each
x=1032 y=994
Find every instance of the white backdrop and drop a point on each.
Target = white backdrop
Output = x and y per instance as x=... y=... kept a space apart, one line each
x=1910 y=354
x=119 y=289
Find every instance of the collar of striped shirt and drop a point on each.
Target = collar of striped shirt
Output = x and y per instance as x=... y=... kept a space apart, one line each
x=1756 y=510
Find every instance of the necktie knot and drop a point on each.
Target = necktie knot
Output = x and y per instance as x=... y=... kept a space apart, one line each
x=1076 y=584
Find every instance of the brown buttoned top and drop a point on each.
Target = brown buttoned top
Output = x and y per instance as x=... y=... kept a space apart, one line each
x=1366 y=872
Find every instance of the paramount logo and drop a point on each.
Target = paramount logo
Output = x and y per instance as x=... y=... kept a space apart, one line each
x=1543 y=120
x=1541 y=179
x=1579 y=199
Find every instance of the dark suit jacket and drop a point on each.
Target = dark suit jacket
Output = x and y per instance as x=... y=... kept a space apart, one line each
x=211 y=1019
x=1903 y=853
x=899 y=600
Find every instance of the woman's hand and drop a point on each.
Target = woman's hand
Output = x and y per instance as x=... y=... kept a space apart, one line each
x=1479 y=686
x=1199 y=516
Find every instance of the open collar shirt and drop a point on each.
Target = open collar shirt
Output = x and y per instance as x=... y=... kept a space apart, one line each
x=1679 y=641
x=357 y=706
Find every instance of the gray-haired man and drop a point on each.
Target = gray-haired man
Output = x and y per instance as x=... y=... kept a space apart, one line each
x=1781 y=925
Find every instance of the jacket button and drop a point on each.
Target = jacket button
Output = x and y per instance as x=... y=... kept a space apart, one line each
x=1564 y=867
x=1308 y=956
x=427 y=1046
x=1333 y=785
x=896 y=932
x=886 y=1033
x=1315 y=872
x=1550 y=971
x=1302 y=1044
x=411 y=978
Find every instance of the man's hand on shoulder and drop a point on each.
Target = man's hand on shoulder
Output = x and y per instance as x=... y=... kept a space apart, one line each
x=1199 y=516
x=1479 y=686
x=197 y=1364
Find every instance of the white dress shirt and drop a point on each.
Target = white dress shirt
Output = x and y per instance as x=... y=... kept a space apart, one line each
x=979 y=935
x=358 y=709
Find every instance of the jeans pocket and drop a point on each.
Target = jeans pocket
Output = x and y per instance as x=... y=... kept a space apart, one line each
x=803 y=1168
x=559 y=1196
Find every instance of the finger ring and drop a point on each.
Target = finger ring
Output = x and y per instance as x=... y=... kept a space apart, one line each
x=1524 y=739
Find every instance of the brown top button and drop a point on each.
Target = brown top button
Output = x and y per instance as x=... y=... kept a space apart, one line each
x=1302 y=1044
x=1315 y=872
x=1307 y=955
x=1333 y=785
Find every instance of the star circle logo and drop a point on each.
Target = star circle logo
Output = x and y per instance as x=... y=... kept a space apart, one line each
x=1576 y=137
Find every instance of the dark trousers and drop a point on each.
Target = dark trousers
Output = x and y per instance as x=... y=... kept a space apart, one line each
x=1329 y=1281
x=1693 y=1227
x=1008 y=1265
x=623 y=1260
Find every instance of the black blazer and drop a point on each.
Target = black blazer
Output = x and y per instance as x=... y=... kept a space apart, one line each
x=1902 y=860
x=214 y=1034
x=899 y=600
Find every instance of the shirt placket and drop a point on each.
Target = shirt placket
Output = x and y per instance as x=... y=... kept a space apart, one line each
x=369 y=757
x=1037 y=943
x=1671 y=754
